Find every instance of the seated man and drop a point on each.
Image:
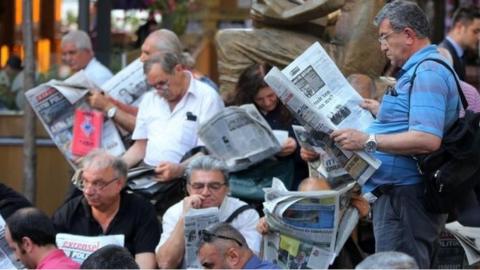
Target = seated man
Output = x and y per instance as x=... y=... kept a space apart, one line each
x=224 y=247
x=31 y=235
x=106 y=209
x=169 y=117
x=77 y=53
x=207 y=185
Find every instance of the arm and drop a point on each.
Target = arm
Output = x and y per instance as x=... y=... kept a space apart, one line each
x=135 y=153
x=170 y=253
x=124 y=119
x=146 y=260
x=100 y=101
x=405 y=143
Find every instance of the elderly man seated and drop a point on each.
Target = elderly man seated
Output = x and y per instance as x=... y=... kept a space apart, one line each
x=207 y=186
x=105 y=208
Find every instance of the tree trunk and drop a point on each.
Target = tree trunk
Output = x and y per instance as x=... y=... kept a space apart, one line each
x=29 y=150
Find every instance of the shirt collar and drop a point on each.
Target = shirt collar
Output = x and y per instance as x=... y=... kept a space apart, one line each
x=252 y=263
x=458 y=49
x=419 y=55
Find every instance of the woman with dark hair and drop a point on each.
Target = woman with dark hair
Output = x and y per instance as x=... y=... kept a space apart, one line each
x=251 y=88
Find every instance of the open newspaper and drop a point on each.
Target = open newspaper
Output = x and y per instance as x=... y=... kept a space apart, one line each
x=241 y=137
x=79 y=247
x=469 y=238
x=7 y=256
x=329 y=165
x=308 y=229
x=319 y=96
x=55 y=102
x=196 y=220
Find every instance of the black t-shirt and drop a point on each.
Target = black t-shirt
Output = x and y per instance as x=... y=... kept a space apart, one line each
x=11 y=201
x=136 y=220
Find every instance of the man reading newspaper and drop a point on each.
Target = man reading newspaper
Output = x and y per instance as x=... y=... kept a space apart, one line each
x=408 y=122
x=207 y=186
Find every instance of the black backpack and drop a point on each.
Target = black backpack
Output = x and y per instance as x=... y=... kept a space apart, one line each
x=454 y=169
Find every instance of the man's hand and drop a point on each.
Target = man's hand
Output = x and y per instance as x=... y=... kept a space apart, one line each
x=361 y=204
x=370 y=105
x=262 y=226
x=192 y=201
x=98 y=100
x=166 y=171
x=349 y=139
x=308 y=155
x=288 y=147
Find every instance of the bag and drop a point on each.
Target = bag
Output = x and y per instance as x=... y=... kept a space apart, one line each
x=248 y=184
x=453 y=169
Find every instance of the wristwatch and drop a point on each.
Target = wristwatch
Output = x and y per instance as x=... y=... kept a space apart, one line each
x=371 y=144
x=111 y=112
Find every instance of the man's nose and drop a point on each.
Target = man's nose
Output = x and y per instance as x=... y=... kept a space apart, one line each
x=205 y=190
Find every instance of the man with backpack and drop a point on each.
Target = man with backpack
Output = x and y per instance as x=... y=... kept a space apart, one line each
x=410 y=121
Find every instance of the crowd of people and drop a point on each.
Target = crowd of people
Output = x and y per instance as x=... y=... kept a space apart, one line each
x=410 y=120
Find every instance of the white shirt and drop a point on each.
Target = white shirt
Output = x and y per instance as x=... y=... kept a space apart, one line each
x=169 y=134
x=97 y=72
x=245 y=221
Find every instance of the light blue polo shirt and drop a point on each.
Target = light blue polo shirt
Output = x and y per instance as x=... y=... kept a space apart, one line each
x=434 y=107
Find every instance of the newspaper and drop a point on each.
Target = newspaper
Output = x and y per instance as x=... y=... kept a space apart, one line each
x=55 y=102
x=240 y=136
x=329 y=166
x=307 y=227
x=196 y=220
x=79 y=247
x=319 y=96
x=7 y=256
x=469 y=238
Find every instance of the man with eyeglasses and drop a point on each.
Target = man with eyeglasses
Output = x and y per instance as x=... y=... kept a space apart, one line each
x=464 y=35
x=410 y=121
x=207 y=186
x=224 y=247
x=107 y=209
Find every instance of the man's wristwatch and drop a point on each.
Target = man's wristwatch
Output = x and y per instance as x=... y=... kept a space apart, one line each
x=371 y=144
x=111 y=112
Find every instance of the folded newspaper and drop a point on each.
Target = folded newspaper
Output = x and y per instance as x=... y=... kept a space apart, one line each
x=318 y=95
x=79 y=247
x=469 y=238
x=196 y=220
x=55 y=102
x=7 y=255
x=308 y=229
x=240 y=136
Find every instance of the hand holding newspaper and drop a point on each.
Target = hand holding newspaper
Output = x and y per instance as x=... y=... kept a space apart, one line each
x=54 y=103
x=314 y=225
x=319 y=96
x=239 y=136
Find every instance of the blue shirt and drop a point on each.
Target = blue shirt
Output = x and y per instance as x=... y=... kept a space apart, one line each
x=256 y=263
x=434 y=107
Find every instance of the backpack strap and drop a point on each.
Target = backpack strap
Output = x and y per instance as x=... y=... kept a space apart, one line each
x=237 y=212
x=441 y=62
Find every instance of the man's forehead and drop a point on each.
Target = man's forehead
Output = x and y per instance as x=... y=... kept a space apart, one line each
x=207 y=176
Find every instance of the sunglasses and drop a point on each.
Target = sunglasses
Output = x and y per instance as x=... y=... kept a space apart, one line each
x=208 y=237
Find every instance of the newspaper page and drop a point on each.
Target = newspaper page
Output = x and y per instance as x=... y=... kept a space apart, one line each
x=197 y=220
x=239 y=136
x=308 y=227
x=330 y=167
x=319 y=96
x=469 y=238
x=7 y=256
x=79 y=247
x=55 y=102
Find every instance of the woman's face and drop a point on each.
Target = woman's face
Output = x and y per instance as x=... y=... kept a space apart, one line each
x=266 y=99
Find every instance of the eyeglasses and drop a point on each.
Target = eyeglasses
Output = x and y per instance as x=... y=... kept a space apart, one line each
x=211 y=186
x=96 y=185
x=383 y=38
x=160 y=85
x=208 y=237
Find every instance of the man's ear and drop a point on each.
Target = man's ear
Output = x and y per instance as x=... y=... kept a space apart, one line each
x=232 y=257
x=27 y=244
x=178 y=68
